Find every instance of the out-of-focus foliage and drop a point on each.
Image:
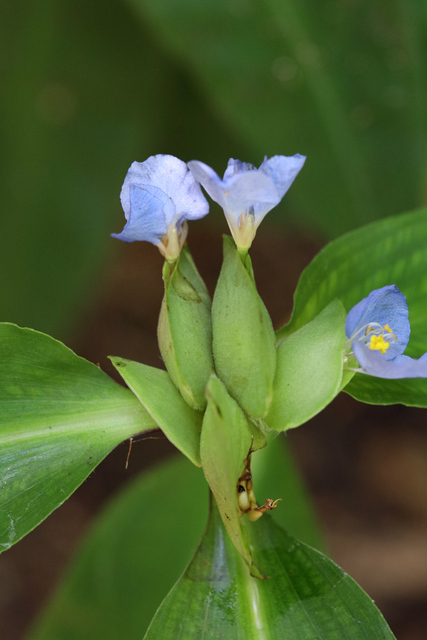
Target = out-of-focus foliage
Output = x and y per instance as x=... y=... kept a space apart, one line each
x=85 y=91
x=340 y=82
x=88 y=87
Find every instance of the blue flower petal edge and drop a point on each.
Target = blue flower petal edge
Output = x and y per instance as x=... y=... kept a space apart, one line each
x=157 y=197
x=246 y=193
x=378 y=331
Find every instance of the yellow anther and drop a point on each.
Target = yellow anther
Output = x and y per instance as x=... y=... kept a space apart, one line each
x=377 y=343
x=387 y=328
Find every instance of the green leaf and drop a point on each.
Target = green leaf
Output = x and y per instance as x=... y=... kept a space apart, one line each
x=303 y=77
x=307 y=597
x=243 y=336
x=391 y=251
x=185 y=329
x=60 y=416
x=225 y=444
x=113 y=586
x=309 y=369
x=155 y=390
x=135 y=551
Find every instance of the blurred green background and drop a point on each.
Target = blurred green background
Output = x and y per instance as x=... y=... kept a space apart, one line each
x=89 y=86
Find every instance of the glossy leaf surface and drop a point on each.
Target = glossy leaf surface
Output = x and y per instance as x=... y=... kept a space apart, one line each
x=134 y=553
x=391 y=251
x=159 y=396
x=309 y=369
x=60 y=416
x=114 y=586
x=307 y=596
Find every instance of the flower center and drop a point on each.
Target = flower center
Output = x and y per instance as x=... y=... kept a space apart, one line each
x=376 y=336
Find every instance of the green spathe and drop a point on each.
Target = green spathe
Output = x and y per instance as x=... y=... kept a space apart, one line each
x=153 y=387
x=243 y=336
x=309 y=369
x=224 y=446
x=185 y=330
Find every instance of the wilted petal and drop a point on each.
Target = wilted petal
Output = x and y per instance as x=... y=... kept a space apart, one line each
x=156 y=194
x=148 y=212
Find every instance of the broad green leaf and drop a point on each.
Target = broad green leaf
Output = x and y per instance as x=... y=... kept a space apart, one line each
x=309 y=369
x=60 y=416
x=321 y=80
x=113 y=586
x=392 y=251
x=132 y=556
x=185 y=329
x=243 y=336
x=224 y=446
x=162 y=400
x=307 y=596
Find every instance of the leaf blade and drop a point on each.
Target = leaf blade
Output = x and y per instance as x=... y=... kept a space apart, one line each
x=307 y=597
x=391 y=251
x=61 y=416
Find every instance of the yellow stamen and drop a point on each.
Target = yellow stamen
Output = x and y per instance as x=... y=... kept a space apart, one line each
x=387 y=328
x=377 y=343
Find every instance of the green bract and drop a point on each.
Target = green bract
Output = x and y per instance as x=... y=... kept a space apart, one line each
x=309 y=369
x=225 y=444
x=159 y=396
x=243 y=336
x=184 y=331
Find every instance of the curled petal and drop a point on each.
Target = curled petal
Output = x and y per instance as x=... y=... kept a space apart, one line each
x=386 y=306
x=157 y=194
x=374 y=364
x=149 y=211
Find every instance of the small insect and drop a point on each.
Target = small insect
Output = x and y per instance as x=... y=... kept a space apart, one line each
x=246 y=497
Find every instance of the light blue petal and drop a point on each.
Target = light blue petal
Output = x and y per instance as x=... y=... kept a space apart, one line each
x=237 y=166
x=386 y=305
x=283 y=170
x=375 y=364
x=155 y=194
x=149 y=210
x=245 y=188
x=209 y=180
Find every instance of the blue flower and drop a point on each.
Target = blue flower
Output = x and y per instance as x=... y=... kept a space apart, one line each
x=246 y=193
x=378 y=331
x=157 y=197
